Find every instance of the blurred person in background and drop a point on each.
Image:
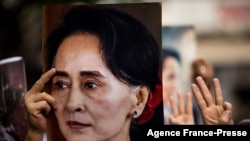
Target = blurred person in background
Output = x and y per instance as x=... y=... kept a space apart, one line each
x=174 y=112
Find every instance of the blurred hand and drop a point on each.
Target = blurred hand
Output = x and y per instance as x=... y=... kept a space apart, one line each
x=213 y=109
x=183 y=114
x=38 y=103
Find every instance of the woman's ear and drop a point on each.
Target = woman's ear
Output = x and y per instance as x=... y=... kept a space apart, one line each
x=141 y=99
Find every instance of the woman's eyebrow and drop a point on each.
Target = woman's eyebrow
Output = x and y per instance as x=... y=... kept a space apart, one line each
x=61 y=73
x=91 y=73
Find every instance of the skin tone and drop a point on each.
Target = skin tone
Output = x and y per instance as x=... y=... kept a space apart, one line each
x=214 y=110
x=169 y=75
x=76 y=116
x=90 y=103
x=182 y=112
x=38 y=105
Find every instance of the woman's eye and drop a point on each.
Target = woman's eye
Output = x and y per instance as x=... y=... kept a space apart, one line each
x=172 y=76
x=61 y=85
x=90 y=85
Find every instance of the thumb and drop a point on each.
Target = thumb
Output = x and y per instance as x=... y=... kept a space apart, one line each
x=173 y=120
x=225 y=118
x=227 y=106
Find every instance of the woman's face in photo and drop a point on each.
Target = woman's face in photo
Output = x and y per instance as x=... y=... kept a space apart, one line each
x=170 y=74
x=91 y=103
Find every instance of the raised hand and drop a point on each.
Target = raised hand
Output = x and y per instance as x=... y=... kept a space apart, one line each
x=213 y=109
x=37 y=105
x=183 y=114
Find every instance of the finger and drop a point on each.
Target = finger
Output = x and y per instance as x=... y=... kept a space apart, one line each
x=218 y=92
x=181 y=103
x=37 y=108
x=43 y=107
x=30 y=101
x=225 y=117
x=198 y=97
x=227 y=106
x=231 y=122
x=172 y=120
x=205 y=91
x=40 y=83
x=189 y=104
x=173 y=106
x=44 y=97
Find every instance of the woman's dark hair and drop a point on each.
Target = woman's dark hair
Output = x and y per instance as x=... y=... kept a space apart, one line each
x=128 y=49
x=167 y=52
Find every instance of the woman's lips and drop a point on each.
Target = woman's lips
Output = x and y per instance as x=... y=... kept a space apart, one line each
x=77 y=125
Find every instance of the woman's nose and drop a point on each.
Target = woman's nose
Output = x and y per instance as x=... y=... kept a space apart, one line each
x=75 y=102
